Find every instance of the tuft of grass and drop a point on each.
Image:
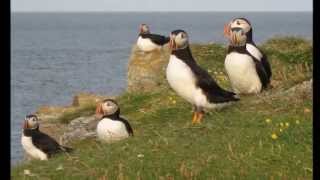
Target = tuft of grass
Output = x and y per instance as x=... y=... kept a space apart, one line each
x=236 y=142
x=292 y=50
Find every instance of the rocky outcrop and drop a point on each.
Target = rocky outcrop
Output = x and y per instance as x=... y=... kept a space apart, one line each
x=80 y=128
x=146 y=70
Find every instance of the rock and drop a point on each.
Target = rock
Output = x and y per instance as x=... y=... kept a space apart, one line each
x=301 y=91
x=146 y=70
x=75 y=101
x=79 y=128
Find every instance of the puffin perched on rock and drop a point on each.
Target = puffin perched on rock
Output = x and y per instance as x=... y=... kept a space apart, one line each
x=111 y=127
x=37 y=144
x=247 y=66
x=191 y=82
x=148 y=42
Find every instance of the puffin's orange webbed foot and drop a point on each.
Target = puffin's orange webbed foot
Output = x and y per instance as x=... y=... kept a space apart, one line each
x=194 y=117
x=199 y=117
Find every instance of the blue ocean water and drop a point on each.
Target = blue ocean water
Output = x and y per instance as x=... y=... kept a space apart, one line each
x=56 y=55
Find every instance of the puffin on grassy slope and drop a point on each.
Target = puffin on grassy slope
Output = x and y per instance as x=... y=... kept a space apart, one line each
x=111 y=127
x=247 y=66
x=191 y=82
x=148 y=42
x=37 y=144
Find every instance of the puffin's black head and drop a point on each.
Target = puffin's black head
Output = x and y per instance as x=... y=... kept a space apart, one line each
x=31 y=122
x=238 y=31
x=178 y=39
x=107 y=107
x=144 y=29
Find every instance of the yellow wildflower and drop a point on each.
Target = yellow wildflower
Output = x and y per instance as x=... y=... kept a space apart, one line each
x=297 y=122
x=287 y=124
x=280 y=130
x=174 y=102
x=268 y=120
x=274 y=136
x=281 y=124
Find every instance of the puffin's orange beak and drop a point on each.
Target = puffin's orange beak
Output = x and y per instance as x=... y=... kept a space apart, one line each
x=25 y=125
x=172 y=44
x=227 y=30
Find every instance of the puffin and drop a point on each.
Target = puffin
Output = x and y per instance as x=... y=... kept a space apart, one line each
x=149 y=42
x=111 y=126
x=191 y=82
x=37 y=144
x=247 y=67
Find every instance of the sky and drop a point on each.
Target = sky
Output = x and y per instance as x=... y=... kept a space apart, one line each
x=159 y=5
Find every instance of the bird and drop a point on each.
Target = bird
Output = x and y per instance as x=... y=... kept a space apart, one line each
x=191 y=82
x=247 y=67
x=111 y=126
x=148 y=42
x=37 y=144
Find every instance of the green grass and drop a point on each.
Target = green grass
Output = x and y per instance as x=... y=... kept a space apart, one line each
x=232 y=143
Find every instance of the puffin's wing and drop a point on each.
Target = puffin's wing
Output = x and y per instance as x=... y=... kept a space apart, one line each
x=212 y=90
x=158 y=39
x=128 y=126
x=46 y=143
x=266 y=65
x=259 y=55
x=262 y=73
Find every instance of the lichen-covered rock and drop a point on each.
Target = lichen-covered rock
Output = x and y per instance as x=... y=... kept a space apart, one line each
x=79 y=128
x=146 y=70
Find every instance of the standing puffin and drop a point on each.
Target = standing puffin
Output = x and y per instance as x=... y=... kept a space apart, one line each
x=37 y=144
x=111 y=127
x=247 y=66
x=148 y=42
x=190 y=81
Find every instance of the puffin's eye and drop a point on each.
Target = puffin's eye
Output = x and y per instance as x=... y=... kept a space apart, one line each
x=182 y=35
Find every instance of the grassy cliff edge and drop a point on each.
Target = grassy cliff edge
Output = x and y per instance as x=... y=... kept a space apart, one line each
x=265 y=136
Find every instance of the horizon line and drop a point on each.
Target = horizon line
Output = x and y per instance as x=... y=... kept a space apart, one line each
x=158 y=11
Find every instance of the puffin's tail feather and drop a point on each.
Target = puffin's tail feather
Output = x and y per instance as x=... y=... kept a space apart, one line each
x=233 y=96
x=66 y=149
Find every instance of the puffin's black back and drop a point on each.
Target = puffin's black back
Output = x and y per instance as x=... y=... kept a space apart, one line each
x=42 y=141
x=156 y=38
x=212 y=90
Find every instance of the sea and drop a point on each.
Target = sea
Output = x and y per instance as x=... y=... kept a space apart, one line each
x=57 y=55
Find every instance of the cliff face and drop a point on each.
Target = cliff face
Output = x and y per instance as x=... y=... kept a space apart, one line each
x=146 y=71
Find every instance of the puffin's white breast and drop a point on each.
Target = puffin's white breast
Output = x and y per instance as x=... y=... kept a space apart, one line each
x=32 y=150
x=242 y=73
x=110 y=130
x=145 y=44
x=182 y=80
x=254 y=51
